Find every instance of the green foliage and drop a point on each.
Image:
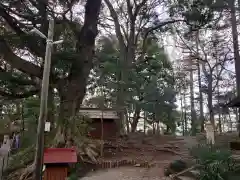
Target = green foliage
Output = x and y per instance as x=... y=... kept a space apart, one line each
x=30 y=115
x=73 y=171
x=73 y=176
x=214 y=163
x=31 y=109
x=198 y=13
x=149 y=85
x=79 y=126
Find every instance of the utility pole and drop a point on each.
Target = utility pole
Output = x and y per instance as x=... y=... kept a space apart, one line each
x=44 y=99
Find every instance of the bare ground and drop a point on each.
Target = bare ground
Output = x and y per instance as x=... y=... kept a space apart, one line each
x=146 y=148
x=126 y=173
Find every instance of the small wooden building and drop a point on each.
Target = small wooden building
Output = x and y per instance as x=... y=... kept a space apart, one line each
x=111 y=122
x=56 y=161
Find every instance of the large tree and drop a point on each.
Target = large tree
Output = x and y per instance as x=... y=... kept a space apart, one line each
x=22 y=53
x=150 y=86
x=133 y=22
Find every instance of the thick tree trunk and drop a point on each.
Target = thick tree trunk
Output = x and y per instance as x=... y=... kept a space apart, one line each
x=72 y=89
x=71 y=99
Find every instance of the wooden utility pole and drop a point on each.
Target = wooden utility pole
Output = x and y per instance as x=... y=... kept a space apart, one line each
x=43 y=105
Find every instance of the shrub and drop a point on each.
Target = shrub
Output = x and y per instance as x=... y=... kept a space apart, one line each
x=214 y=163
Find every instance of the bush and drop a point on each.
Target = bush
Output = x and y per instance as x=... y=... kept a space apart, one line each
x=214 y=163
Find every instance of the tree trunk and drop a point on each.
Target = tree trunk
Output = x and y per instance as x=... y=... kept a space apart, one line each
x=200 y=86
x=219 y=108
x=185 y=114
x=202 y=119
x=235 y=110
x=158 y=128
x=182 y=112
x=127 y=121
x=72 y=89
x=144 y=122
x=210 y=100
x=193 y=112
x=154 y=128
x=135 y=119
x=236 y=52
x=71 y=99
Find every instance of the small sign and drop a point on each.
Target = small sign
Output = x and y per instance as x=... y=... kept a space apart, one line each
x=47 y=126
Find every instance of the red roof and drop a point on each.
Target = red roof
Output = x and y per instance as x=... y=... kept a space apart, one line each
x=59 y=155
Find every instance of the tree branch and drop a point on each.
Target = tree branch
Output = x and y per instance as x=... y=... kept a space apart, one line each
x=138 y=7
x=27 y=41
x=160 y=25
x=17 y=62
x=7 y=76
x=116 y=23
x=20 y=95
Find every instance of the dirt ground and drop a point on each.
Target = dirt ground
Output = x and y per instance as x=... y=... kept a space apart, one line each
x=126 y=173
x=147 y=149
x=158 y=150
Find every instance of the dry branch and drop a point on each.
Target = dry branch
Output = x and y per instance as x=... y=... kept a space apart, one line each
x=182 y=172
